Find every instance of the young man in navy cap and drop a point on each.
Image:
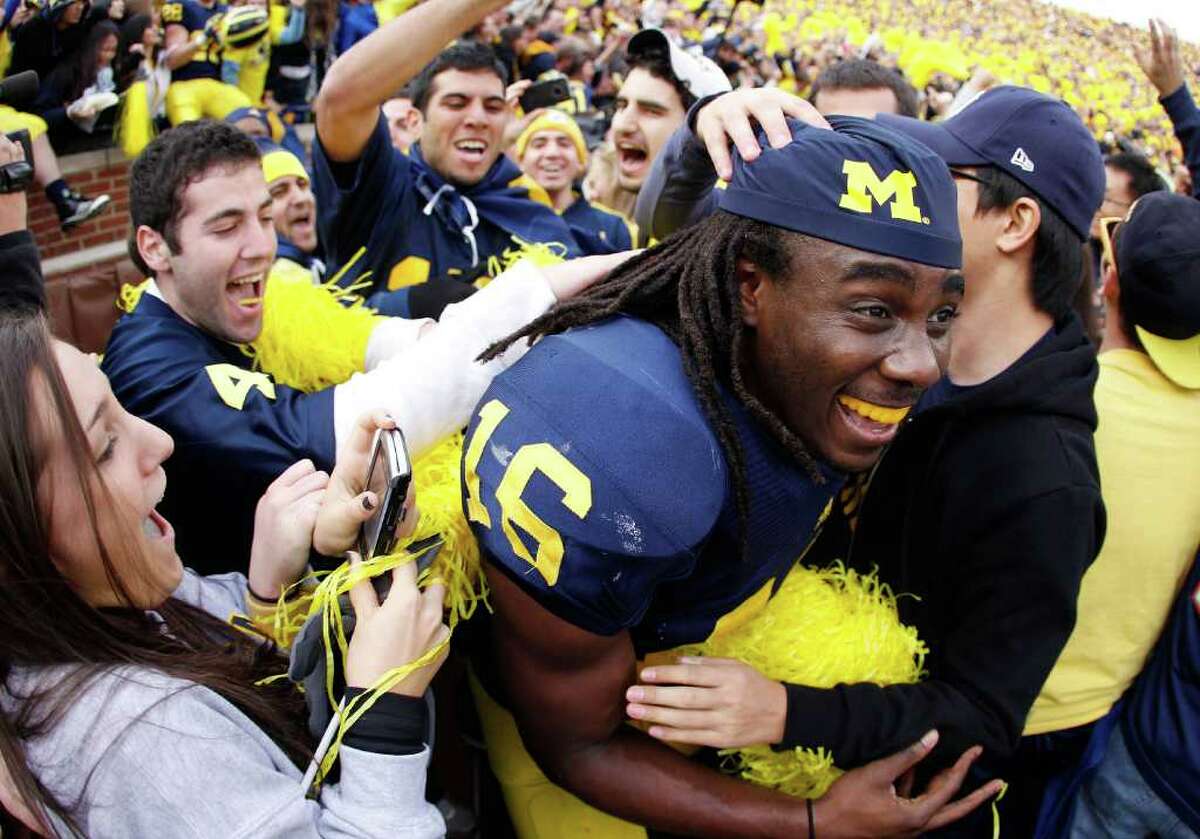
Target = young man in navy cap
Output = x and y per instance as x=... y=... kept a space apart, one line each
x=1148 y=402
x=987 y=507
x=635 y=482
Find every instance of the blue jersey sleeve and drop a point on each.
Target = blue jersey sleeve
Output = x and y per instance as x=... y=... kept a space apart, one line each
x=353 y=199
x=590 y=482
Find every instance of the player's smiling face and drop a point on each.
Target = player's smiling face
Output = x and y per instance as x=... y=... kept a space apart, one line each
x=842 y=345
x=226 y=244
x=464 y=122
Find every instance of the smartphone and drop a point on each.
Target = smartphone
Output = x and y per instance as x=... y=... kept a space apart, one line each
x=389 y=473
x=545 y=95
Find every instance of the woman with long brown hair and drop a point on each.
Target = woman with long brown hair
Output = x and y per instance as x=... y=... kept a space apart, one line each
x=128 y=704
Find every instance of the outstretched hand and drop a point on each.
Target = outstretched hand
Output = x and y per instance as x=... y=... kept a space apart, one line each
x=865 y=802
x=1160 y=59
x=718 y=702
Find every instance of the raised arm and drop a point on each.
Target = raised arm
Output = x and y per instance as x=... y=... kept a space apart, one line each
x=367 y=75
x=1162 y=63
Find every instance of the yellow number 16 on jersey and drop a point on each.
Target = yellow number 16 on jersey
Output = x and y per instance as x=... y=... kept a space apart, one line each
x=530 y=458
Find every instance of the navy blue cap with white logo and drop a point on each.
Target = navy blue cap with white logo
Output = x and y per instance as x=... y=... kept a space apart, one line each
x=859 y=185
x=1035 y=138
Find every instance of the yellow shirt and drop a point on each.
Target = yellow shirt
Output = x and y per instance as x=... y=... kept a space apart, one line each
x=1148 y=449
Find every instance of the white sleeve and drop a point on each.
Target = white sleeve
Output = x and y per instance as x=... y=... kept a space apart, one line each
x=431 y=386
x=392 y=337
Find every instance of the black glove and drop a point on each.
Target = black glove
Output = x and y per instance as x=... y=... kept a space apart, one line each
x=428 y=299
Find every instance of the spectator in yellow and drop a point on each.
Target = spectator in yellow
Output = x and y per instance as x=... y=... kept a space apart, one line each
x=193 y=55
x=551 y=150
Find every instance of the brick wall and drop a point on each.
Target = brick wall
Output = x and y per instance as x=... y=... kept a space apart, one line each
x=92 y=173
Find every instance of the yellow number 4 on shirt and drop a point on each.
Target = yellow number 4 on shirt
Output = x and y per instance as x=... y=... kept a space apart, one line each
x=233 y=384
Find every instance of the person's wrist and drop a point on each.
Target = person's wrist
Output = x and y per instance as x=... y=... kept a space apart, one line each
x=825 y=819
x=1165 y=93
x=777 y=698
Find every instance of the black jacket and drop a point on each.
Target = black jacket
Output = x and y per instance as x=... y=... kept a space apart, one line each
x=38 y=44
x=22 y=289
x=986 y=507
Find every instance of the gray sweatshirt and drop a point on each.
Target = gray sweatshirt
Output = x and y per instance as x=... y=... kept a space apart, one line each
x=145 y=754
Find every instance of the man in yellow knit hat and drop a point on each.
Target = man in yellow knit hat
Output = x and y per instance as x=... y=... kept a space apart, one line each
x=551 y=150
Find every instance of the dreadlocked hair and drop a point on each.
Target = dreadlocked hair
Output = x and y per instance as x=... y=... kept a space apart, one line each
x=688 y=287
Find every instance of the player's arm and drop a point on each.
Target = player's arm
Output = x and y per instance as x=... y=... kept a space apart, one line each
x=179 y=48
x=359 y=82
x=567 y=686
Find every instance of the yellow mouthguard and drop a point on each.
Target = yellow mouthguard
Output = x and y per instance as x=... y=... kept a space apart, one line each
x=250 y=301
x=878 y=413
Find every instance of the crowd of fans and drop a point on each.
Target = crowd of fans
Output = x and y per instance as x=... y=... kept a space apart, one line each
x=809 y=388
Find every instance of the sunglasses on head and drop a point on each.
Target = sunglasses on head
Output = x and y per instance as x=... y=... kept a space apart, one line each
x=1108 y=235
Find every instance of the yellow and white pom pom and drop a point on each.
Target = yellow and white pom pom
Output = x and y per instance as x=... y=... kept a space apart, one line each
x=822 y=628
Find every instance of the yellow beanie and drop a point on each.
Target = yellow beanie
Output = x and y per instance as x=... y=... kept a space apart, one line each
x=554 y=121
x=280 y=163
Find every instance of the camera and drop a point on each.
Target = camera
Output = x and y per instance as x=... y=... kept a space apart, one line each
x=15 y=176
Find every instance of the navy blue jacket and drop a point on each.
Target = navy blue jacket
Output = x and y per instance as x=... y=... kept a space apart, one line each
x=1185 y=116
x=1161 y=722
x=411 y=225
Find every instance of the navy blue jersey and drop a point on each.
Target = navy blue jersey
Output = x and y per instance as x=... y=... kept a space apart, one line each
x=235 y=429
x=411 y=224
x=1161 y=722
x=206 y=64
x=595 y=481
x=598 y=230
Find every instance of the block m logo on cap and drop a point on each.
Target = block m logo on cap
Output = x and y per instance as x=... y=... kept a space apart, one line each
x=865 y=189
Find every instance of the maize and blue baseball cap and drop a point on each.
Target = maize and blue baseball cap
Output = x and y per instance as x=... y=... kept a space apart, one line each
x=1035 y=138
x=1158 y=271
x=860 y=185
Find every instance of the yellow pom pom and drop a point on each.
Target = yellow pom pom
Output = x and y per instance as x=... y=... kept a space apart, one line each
x=438 y=486
x=540 y=254
x=310 y=340
x=822 y=628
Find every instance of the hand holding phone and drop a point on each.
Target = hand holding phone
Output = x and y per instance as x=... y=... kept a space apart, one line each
x=545 y=95
x=350 y=500
x=389 y=474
